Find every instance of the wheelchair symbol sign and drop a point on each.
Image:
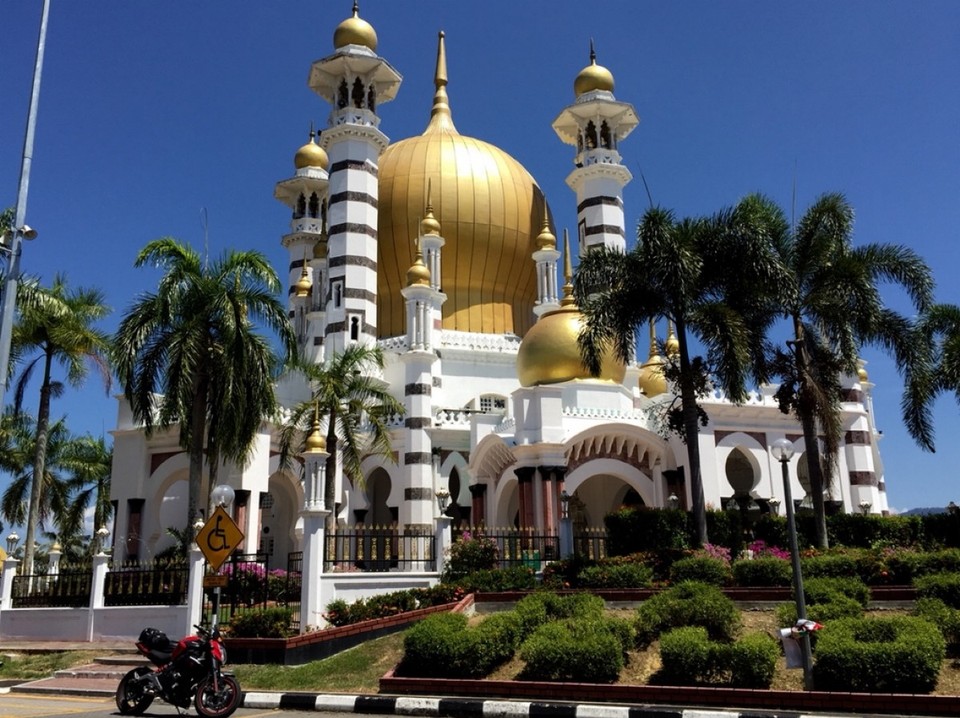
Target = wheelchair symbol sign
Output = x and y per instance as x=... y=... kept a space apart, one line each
x=218 y=538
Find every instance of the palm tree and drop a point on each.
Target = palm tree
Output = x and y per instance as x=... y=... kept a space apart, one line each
x=89 y=461
x=937 y=371
x=19 y=452
x=56 y=325
x=706 y=275
x=356 y=406
x=830 y=297
x=188 y=355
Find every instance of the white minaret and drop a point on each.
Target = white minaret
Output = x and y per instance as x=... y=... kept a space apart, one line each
x=306 y=194
x=423 y=301
x=355 y=80
x=594 y=124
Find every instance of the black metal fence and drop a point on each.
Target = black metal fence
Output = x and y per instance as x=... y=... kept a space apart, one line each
x=147 y=584
x=516 y=546
x=69 y=588
x=590 y=544
x=379 y=548
x=291 y=595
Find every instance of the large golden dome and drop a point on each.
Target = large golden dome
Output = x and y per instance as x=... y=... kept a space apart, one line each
x=550 y=354
x=490 y=210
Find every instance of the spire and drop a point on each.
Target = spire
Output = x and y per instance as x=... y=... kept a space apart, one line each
x=418 y=272
x=304 y=285
x=429 y=224
x=672 y=345
x=653 y=340
x=593 y=53
x=567 y=300
x=546 y=238
x=440 y=117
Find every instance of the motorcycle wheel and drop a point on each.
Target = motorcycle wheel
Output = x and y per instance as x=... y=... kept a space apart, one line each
x=131 y=699
x=211 y=703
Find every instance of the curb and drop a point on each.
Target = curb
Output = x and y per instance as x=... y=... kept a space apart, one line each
x=480 y=708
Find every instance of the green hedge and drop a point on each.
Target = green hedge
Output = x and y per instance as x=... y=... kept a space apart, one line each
x=687 y=604
x=689 y=657
x=878 y=655
x=645 y=529
x=589 y=650
x=944 y=617
x=273 y=622
x=766 y=571
x=443 y=646
x=944 y=586
x=705 y=569
x=828 y=599
x=624 y=575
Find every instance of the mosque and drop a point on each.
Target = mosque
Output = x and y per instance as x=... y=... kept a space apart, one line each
x=440 y=249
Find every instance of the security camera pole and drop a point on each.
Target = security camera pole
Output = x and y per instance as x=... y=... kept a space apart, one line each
x=19 y=231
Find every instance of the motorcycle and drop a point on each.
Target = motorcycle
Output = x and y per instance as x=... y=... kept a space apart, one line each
x=186 y=671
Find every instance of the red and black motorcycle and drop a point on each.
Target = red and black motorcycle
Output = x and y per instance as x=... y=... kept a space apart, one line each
x=185 y=672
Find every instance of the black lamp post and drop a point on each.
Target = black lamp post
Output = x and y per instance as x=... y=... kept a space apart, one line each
x=783 y=451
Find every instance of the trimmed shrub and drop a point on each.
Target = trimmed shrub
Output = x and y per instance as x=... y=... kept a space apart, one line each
x=944 y=617
x=942 y=529
x=767 y=571
x=515 y=578
x=944 y=561
x=944 y=586
x=823 y=590
x=442 y=646
x=871 y=530
x=829 y=566
x=687 y=604
x=583 y=650
x=689 y=657
x=827 y=599
x=771 y=529
x=624 y=575
x=634 y=530
x=542 y=607
x=879 y=655
x=705 y=569
x=470 y=554
x=273 y=622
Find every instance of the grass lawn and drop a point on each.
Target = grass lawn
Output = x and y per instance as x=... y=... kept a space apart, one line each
x=29 y=666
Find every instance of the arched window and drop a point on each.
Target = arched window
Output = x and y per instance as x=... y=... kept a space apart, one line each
x=591 y=136
x=372 y=98
x=357 y=94
x=342 y=95
x=301 y=207
x=740 y=472
x=605 y=135
x=337 y=294
x=314 y=209
x=354 y=328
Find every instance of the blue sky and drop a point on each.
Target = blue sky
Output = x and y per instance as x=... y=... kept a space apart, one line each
x=152 y=112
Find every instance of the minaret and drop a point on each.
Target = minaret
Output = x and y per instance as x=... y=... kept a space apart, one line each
x=355 y=80
x=546 y=258
x=421 y=364
x=305 y=193
x=594 y=124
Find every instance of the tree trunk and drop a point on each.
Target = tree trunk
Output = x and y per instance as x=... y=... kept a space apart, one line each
x=330 y=485
x=811 y=440
x=39 y=465
x=691 y=430
x=198 y=423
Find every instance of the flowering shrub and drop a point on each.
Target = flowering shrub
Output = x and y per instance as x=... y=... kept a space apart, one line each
x=248 y=581
x=760 y=549
x=470 y=554
x=713 y=551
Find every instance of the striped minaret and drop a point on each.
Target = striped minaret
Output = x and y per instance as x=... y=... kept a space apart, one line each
x=867 y=492
x=421 y=364
x=594 y=124
x=355 y=80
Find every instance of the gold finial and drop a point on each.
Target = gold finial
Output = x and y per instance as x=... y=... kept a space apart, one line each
x=315 y=441
x=593 y=53
x=440 y=117
x=304 y=284
x=356 y=11
x=429 y=225
x=567 y=300
x=672 y=345
x=653 y=340
x=418 y=272
x=546 y=239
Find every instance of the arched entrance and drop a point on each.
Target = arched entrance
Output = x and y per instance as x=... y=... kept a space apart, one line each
x=278 y=518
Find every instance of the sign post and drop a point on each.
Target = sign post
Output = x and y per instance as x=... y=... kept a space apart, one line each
x=218 y=538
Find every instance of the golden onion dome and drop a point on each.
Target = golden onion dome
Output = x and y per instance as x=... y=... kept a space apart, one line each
x=862 y=374
x=546 y=239
x=488 y=206
x=355 y=31
x=315 y=441
x=303 y=285
x=550 y=353
x=593 y=77
x=311 y=155
x=672 y=345
x=418 y=272
x=651 y=381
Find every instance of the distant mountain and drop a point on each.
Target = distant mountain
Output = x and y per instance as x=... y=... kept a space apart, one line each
x=924 y=511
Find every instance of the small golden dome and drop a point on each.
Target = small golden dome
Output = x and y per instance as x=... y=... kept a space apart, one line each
x=672 y=345
x=429 y=223
x=651 y=381
x=303 y=285
x=311 y=155
x=862 y=374
x=546 y=239
x=418 y=272
x=550 y=354
x=315 y=441
x=355 y=31
x=593 y=77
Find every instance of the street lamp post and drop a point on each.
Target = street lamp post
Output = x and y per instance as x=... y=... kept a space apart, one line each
x=222 y=495
x=783 y=451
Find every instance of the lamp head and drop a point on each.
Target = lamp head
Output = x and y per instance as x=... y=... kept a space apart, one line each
x=222 y=495
x=443 y=499
x=782 y=450
x=775 y=505
x=12 y=539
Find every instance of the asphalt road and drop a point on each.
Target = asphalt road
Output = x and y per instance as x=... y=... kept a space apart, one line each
x=28 y=705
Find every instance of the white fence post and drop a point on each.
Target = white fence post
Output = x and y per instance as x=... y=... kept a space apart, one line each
x=98 y=582
x=194 y=590
x=443 y=543
x=311 y=577
x=6 y=585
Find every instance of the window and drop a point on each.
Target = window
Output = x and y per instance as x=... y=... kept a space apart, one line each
x=493 y=404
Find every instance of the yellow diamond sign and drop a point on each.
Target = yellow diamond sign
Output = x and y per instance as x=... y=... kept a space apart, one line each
x=218 y=538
